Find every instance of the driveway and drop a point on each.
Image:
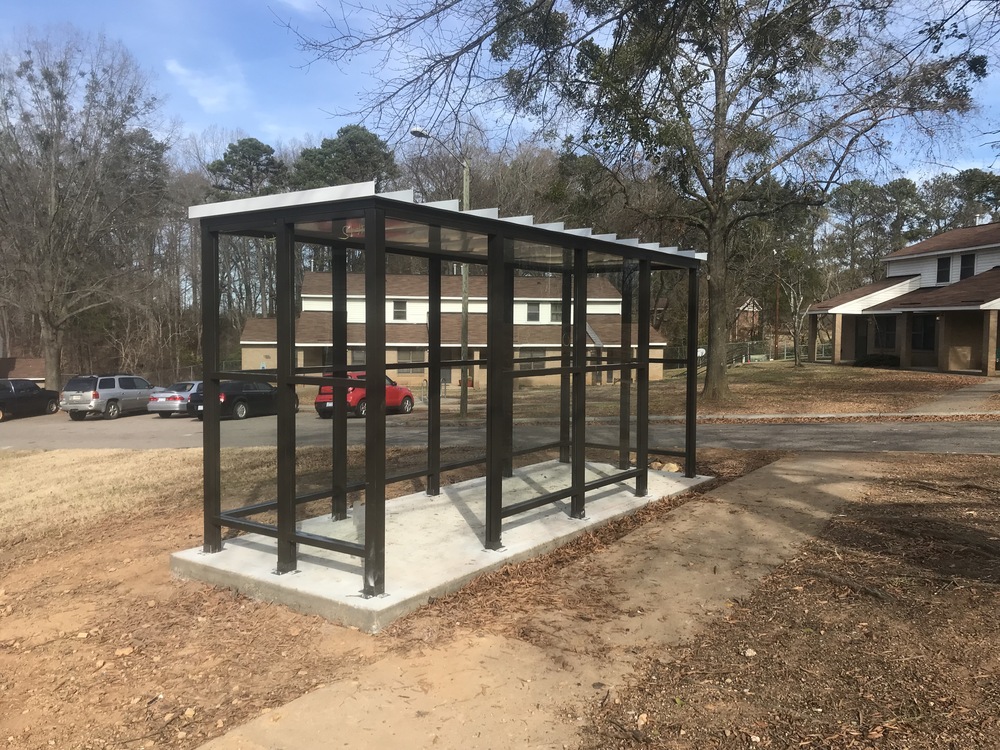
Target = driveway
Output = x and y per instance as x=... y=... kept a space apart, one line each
x=148 y=432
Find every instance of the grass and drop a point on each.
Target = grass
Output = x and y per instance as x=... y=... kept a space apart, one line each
x=764 y=388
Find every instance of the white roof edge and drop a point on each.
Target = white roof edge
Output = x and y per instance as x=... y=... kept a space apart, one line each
x=857 y=306
x=283 y=200
x=527 y=220
x=453 y=205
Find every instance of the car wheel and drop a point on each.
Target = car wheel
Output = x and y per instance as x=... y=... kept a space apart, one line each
x=112 y=410
x=296 y=403
x=52 y=406
x=406 y=406
x=240 y=410
x=164 y=414
x=77 y=416
x=325 y=415
x=362 y=408
x=201 y=417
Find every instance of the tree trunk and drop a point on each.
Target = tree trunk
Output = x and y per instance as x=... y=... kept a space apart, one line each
x=716 y=383
x=52 y=344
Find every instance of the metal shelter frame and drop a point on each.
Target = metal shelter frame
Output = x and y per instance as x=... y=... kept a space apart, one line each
x=355 y=218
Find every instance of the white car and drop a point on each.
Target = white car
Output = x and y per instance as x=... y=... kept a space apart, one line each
x=174 y=399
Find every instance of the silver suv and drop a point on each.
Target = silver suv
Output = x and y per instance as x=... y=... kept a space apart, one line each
x=109 y=395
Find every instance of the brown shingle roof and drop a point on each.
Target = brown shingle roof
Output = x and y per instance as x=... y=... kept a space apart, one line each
x=970 y=293
x=984 y=235
x=413 y=285
x=862 y=291
x=316 y=328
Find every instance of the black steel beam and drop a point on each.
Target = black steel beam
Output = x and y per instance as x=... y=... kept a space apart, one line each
x=642 y=380
x=625 y=379
x=211 y=436
x=495 y=423
x=691 y=412
x=338 y=388
x=566 y=363
x=375 y=264
x=578 y=452
x=284 y=249
x=434 y=369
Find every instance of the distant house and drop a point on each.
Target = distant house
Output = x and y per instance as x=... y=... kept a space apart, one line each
x=537 y=325
x=936 y=308
x=747 y=325
x=24 y=368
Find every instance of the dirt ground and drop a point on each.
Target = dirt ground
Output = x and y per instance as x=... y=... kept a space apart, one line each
x=881 y=633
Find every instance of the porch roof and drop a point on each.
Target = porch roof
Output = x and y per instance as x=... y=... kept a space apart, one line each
x=857 y=300
x=979 y=292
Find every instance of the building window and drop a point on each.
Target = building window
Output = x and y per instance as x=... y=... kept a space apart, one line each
x=410 y=356
x=885 y=332
x=968 y=267
x=922 y=337
x=357 y=357
x=399 y=309
x=944 y=270
x=556 y=312
x=534 y=312
x=530 y=353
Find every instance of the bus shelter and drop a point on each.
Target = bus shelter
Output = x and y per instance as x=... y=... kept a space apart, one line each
x=255 y=250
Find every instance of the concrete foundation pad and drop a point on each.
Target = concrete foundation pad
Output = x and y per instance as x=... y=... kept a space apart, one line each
x=434 y=545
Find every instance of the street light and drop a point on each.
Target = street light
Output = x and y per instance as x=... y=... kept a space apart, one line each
x=463 y=404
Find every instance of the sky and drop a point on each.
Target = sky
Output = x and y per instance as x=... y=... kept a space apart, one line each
x=225 y=63
x=234 y=65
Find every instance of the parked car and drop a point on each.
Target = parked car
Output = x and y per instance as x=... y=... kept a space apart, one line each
x=173 y=399
x=397 y=397
x=22 y=398
x=239 y=399
x=108 y=395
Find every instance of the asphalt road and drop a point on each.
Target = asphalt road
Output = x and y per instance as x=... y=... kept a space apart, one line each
x=149 y=432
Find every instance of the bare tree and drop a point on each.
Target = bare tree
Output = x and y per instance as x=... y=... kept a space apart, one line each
x=718 y=95
x=79 y=170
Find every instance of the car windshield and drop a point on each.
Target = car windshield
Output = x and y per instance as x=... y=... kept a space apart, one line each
x=181 y=387
x=81 y=384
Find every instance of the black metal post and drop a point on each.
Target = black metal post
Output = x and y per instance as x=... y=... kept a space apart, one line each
x=284 y=248
x=496 y=293
x=507 y=359
x=625 y=379
x=642 y=381
x=434 y=367
x=566 y=353
x=578 y=463
x=338 y=366
x=691 y=394
x=211 y=437
x=375 y=444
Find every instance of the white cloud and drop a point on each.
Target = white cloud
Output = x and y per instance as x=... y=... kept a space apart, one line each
x=216 y=92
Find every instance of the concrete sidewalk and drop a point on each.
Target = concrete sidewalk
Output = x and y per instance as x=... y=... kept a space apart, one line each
x=486 y=691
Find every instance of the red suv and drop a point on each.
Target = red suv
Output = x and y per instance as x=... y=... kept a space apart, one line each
x=397 y=397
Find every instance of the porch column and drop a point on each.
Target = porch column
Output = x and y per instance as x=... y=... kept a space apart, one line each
x=838 y=335
x=990 y=342
x=904 y=337
x=943 y=342
x=813 y=335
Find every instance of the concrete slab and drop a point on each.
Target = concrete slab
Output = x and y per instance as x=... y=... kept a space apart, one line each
x=434 y=545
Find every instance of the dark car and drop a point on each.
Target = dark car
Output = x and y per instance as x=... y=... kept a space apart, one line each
x=397 y=398
x=239 y=399
x=22 y=398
